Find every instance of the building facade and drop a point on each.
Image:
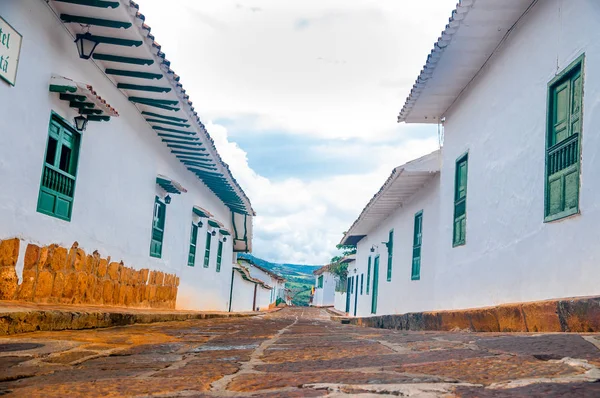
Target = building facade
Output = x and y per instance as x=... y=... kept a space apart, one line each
x=248 y=293
x=277 y=282
x=155 y=214
x=324 y=290
x=507 y=216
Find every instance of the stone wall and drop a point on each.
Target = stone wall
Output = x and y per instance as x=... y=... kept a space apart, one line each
x=54 y=274
x=577 y=314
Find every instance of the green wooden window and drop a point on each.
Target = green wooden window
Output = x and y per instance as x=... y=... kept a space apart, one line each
x=375 y=285
x=193 y=241
x=158 y=228
x=460 y=201
x=417 y=241
x=390 y=249
x=368 y=274
x=563 y=140
x=207 y=250
x=57 y=187
x=320 y=282
x=362 y=279
x=219 y=255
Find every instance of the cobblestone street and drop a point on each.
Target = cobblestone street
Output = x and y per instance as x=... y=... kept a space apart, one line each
x=295 y=352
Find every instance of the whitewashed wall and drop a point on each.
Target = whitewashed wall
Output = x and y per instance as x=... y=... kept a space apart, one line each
x=324 y=297
x=511 y=255
x=269 y=280
x=118 y=164
x=401 y=294
x=242 y=296
x=263 y=297
x=340 y=301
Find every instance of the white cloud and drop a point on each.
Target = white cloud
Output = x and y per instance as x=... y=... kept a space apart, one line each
x=345 y=73
x=325 y=69
x=302 y=221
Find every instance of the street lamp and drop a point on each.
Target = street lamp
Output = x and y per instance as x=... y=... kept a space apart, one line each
x=80 y=123
x=85 y=45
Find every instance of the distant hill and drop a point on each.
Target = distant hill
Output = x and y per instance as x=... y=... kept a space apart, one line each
x=299 y=277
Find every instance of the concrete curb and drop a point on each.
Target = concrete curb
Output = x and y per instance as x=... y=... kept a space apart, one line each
x=577 y=314
x=14 y=322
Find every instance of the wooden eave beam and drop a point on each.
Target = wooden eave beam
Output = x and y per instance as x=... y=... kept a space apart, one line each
x=93 y=3
x=167 y=122
x=117 y=41
x=133 y=73
x=125 y=60
x=138 y=87
x=67 y=18
x=159 y=128
x=173 y=118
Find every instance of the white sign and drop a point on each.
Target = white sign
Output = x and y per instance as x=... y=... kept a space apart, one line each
x=10 y=48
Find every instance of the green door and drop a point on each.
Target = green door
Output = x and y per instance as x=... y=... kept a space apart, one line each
x=375 y=286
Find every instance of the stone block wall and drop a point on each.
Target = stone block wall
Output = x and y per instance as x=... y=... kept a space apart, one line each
x=54 y=274
x=575 y=314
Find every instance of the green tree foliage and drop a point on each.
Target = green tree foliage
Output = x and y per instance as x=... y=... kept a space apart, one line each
x=341 y=269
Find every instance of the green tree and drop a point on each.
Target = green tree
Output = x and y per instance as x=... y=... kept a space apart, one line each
x=341 y=269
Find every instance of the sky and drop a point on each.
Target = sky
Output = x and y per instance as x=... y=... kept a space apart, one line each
x=301 y=98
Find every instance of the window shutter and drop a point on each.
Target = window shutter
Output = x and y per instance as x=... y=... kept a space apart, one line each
x=368 y=274
x=57 y=187
x=193 y=240
x=362 y=280
x=417 y=242
x=390 y=248
x=460 y=201
x=219 y=255
x=207 y=250
x=158 y=228
x=563 y=143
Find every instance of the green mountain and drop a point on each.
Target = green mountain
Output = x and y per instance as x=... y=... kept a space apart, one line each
x=299 y=277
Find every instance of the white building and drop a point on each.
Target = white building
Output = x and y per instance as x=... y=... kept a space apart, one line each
x=324 y=290
x=505 y=211
x=248 y=293
x=108 y=188
x=277 y=282
x=329 y=289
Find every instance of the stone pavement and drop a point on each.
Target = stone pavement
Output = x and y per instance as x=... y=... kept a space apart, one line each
x=296 y=352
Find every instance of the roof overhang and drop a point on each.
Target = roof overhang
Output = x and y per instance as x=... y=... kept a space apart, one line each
x=475 y=30
x=401 y=185
x=200 y=212
x=322 y=270
x=348 y=259
x=169 y=185
x=82 y=97
x=245 y=273
x=266 y=271
x=215 y=224
x=130 y=57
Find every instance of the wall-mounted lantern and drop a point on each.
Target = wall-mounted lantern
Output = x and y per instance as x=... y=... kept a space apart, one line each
x=200 y=224
x=213 y=233
x=167 y=199
x=80 y=122
x=373 y=248
x=85 y=45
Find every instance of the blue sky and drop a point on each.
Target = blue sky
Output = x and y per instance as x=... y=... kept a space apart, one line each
x=301 y=98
